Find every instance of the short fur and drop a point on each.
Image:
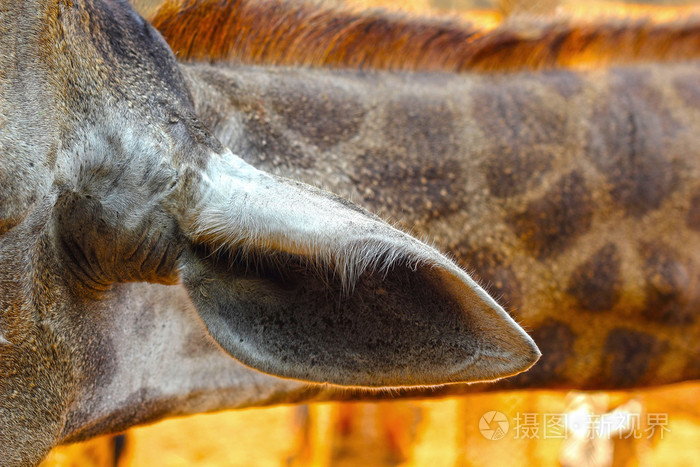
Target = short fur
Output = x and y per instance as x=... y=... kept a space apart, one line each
x=277 y=32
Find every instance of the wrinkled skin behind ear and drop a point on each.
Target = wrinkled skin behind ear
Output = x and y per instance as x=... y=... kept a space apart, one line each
x=301 y=284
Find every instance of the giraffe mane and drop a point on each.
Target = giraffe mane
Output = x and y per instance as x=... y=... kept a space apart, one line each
x=278 y=32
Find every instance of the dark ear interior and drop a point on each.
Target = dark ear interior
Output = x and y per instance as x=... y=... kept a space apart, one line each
x=402 y=327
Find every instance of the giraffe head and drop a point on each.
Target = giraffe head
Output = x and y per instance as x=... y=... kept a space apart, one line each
x=110 y=180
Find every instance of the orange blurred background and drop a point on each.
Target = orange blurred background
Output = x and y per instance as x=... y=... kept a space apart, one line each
x=409 y=433
x=665 y=426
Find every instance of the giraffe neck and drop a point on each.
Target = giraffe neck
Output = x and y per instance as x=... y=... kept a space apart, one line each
x=572 y=196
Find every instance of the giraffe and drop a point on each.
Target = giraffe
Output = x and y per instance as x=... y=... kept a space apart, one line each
x=199 y=376
x=587 y=45
x=573 y=197
x=220 y=101
x=227 y=112
x=128 y=232
x=574 y=192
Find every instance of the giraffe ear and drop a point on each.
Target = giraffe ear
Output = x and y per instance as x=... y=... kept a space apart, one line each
x=316 y=288
x=408 y=325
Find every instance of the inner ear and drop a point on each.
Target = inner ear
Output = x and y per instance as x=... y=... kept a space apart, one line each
x=280 y=314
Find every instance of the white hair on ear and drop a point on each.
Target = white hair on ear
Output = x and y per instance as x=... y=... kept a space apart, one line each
x=248 y=210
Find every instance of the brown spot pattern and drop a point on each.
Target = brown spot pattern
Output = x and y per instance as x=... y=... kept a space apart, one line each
x=325 y=117
x=670 y=298
x=596 y=283
x=264 y=144
x=512 y=170
x=417 y=168
x=517 y=125
x=420 y=127
x=550 y=224
x=491 y=270
x=630 y=134
x=629 y=357
x=555 y=340
x=693 y=219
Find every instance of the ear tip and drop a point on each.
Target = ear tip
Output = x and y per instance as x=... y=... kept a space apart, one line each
x=502 y=352
x=530 y=354
x=518 y=355
x=521 y=349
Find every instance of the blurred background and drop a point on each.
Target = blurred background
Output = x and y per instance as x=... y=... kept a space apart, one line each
x=664 y=430
x=659 y=426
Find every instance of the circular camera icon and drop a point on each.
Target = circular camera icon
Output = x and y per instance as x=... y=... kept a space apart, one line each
x=493 y=425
